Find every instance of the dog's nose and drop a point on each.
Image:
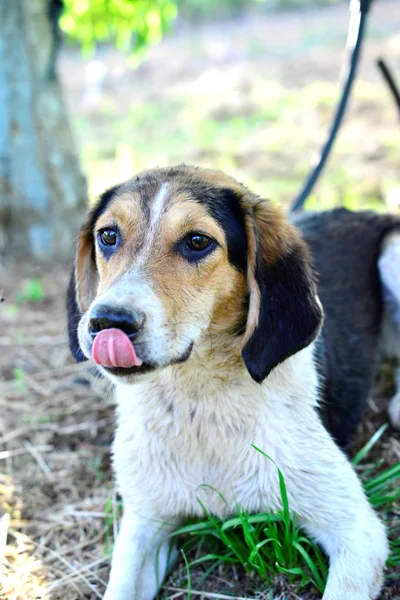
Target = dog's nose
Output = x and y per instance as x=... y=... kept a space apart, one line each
x=107 y=317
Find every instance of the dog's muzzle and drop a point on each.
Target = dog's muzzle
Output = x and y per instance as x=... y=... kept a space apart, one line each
x=113 y=331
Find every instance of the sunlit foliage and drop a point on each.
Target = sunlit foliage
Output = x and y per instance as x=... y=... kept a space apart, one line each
x=130 y=24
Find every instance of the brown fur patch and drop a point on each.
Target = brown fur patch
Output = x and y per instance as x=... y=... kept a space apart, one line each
x=125 y=210
x=253 y=289
x=86 y=279
x=269 y=236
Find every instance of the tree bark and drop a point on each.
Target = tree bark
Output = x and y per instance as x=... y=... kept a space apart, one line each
x=42 y=190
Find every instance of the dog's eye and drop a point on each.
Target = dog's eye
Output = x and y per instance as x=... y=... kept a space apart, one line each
x=195 y=246
x=108 y=237
x=198 y=242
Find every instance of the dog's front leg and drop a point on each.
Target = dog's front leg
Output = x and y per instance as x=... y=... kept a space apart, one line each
x=140 y=558
x=357 y=554
x=330 y=503
x=394 y=404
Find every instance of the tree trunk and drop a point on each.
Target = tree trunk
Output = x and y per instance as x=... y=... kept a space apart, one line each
x=42 y=190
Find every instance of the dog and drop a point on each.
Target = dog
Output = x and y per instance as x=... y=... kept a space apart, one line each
x=198 y=300
x=357 y=258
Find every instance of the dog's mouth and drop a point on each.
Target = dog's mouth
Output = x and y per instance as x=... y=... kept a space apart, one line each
x=126 y=371
x=115 y=351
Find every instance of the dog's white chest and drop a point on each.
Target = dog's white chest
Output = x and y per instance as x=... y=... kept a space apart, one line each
x=174 y=452
x=175 y=444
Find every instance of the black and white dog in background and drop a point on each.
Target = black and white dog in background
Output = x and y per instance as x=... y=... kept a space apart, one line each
x=357 y=258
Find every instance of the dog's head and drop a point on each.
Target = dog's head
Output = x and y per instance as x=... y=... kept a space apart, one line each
x=177 y=256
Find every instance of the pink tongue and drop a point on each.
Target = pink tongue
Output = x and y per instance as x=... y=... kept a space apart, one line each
x=113 y=348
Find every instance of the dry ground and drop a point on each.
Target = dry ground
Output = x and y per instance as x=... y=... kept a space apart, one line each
x=250 y=86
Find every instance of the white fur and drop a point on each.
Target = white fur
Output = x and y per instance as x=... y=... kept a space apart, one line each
x=191 y=424
x=157 y=210
x=158 y=204
x=389 y=271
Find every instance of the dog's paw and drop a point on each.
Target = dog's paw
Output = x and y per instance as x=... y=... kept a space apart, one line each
x=357 y=571
x=352 y=588
x=394 y=411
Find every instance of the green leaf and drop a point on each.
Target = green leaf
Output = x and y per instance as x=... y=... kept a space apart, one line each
x=320 y=584
x=361 y=454
x=129 y=24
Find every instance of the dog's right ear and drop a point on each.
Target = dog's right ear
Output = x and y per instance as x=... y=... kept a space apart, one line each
x=84 y=278
x=73 y=317
x=82 y=287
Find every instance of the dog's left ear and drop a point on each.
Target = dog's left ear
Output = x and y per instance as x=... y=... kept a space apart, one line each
x=285 y=314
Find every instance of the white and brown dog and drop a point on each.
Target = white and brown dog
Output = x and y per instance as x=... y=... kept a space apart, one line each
x=197 y=300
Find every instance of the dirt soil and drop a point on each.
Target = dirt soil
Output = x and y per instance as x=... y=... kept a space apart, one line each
x=60 y=510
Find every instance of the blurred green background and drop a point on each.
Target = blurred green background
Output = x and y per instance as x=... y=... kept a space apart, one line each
x=241 y=85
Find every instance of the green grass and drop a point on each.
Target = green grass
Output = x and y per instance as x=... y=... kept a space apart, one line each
x=112 y=514
x=33 y=291
x=19 y=377
x=271 y=543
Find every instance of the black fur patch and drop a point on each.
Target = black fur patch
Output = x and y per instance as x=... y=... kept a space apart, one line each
x=74 y=316
x=101 y=206
x=289 y=316
x=345 y=247
x=224 y=206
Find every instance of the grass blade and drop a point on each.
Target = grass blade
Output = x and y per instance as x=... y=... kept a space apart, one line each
x=361 y=454
x=318 y=581
x=388 y=475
